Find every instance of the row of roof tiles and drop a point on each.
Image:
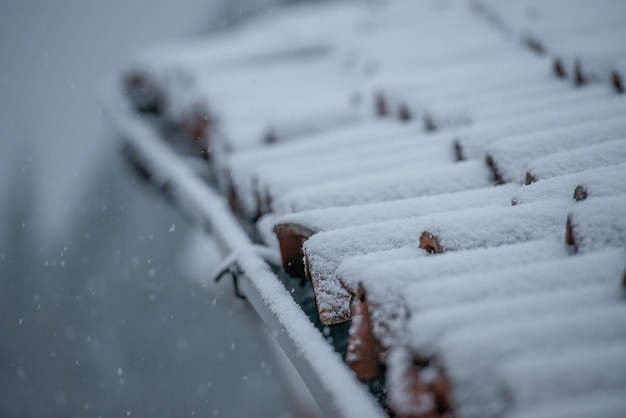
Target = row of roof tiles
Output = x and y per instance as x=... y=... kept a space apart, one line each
x=372 y=147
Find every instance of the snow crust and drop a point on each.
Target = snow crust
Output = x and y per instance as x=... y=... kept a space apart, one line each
x=599 y=223
x=276 y=180
x=597 y=182
x=342 y=217
x=388 y=280
x=351 y=268
x=513 y=154
x=384 y=185
x=499 y=101
x=290 y=161
x=586 y=39
x=600 y=368
x=436 y=322
x=399 y=389
x=518 y=280
x=282 y=51
x=528 y=338
x=590 y=105
x=487 y=226
x=607 y=404
x=579 y=159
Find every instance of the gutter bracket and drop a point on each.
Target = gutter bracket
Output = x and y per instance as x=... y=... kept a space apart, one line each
x=230 y=266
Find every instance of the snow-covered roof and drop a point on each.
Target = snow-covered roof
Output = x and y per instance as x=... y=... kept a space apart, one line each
x=444 y=192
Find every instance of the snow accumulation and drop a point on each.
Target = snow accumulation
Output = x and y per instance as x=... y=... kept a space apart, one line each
x=384 y=185
x=436 y=322
x=248 y=166
x=579 y=159
x=274 y=180
x=599 y=223
x=366 y=155
x=538 y=277
x=585 y=39
x=480 y=227
x=501 y=103
x=219 y=72
x=477 y=140
x=417 y=268
x=597 y=182
x=512 y=155
x=469 y=314
x=604 y=369
x=354 y=215
x=607 y=404
x=528 y=337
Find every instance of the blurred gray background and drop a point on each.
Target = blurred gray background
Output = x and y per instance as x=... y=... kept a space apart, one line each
x=96 y=316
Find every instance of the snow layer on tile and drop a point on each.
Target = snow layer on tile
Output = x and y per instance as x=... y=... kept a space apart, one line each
x=462 y=89
x=580 y=33
x=245 y=164
x=508 y=84
x=579 y=159
x=505 y=103
x=594 y=66
x=487 y=33
x=557 y=18
x=175 y=88
x=245 y=79
x=260 y=96
x=344 y=145
x=594 y=57
x=607 y=404
x=434 y=64
x=465 y=229
x=534 y=380
x=346 y=216
x=265 y=37
x=386 y=281
x=603 y=106
x=459 y=41
x=430 y=325
x=472 y=357
x=438 y=85
x=458 y=38
x=342 y=138
x=598 y=182
x=384 y=185
x=419 y=267
x=496 y=225
x=600 y=267
x=599 y=223
x=366 y=134
x=512 y=155
x=264 y=99
x=275 y=181
x=351 y=266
